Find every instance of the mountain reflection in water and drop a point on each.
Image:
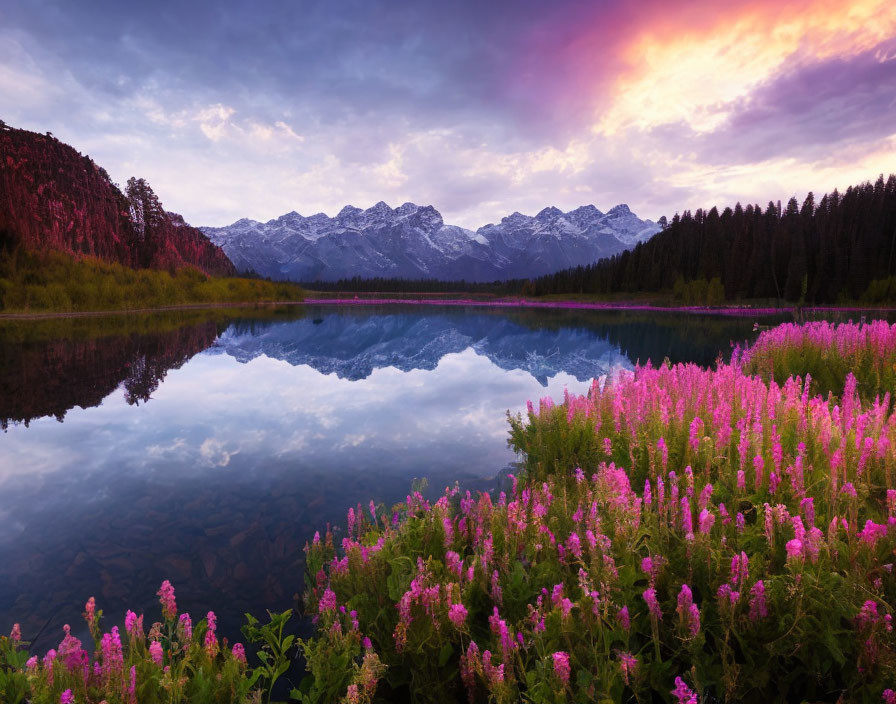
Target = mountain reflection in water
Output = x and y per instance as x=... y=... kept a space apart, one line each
x=207 y=451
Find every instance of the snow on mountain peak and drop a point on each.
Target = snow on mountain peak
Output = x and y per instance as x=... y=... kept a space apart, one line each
x=413 y=241
x=619 y=210
x=549 y=213
x=348 y=211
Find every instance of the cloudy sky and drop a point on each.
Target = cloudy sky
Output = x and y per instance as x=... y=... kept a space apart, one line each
x=252 y=109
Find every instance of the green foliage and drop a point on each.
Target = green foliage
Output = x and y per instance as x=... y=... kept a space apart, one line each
x=36 y=282
x=275 y=647
x=699 y=292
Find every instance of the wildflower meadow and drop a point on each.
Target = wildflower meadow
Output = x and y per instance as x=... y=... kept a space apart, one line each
x=678 y=534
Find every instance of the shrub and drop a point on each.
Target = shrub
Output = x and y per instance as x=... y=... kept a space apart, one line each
x=51 y=281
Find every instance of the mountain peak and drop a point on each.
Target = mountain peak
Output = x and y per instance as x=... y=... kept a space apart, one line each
x=380 y=207
x=348 y=211
x=549 y=212
x=621 y=209
x=243 y=222
x=585 y=211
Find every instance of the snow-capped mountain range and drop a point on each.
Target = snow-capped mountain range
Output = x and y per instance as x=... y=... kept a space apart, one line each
x=413 y=242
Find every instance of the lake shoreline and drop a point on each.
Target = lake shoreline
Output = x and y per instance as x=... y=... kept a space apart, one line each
x=732 y=310
x=47 y=315
x=437 y=300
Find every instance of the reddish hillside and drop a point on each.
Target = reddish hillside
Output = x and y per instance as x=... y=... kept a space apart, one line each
x=53 y=198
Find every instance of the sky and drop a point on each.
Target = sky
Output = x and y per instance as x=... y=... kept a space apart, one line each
x=254 y=109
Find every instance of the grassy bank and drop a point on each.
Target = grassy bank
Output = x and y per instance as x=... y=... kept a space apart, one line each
x=54 y=282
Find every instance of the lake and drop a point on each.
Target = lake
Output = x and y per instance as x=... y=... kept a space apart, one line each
x=207 y=448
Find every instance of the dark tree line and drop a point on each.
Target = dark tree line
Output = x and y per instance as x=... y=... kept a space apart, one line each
x=397 y=285
x=841 y=247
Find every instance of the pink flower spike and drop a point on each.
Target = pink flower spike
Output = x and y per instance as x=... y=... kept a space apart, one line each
x=561 y=666
x=166 y=599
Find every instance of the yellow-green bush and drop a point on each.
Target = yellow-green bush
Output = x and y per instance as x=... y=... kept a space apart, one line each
x=57 y=282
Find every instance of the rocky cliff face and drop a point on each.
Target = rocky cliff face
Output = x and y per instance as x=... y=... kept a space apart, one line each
x=53 y=198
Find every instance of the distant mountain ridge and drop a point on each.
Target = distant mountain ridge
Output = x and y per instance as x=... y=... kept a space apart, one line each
x=413 y=242
x=54 y=198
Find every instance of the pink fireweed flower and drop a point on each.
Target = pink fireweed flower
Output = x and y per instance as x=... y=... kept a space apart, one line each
x=740 y=568
x=740 y=523
x=807 y=508
x=688 y=614
x=211 y=640
x=723 y=513
x=67 y=697
x=352 y=695
x=561 y=666
x=889 y=696
x=239 y=653
x=15 y=635
x=664 y=452
x=758 y=608
x=185 y=625
x=73 y=656
x=166 y=599
x=696 y=430
x=872 y=532
x=706 y=521
x=653 y=605
x=31 y=664
x=627 y=663
x=647 y=565
x=727 y=595
x=574 y=544
x=683 y=694
x=608 y=447
x=794 y=550
x=454 y=563
x=133 y=625
x=327 y=601
x=687 y=525
x=457 y=614
x=741 y=480
x=90 y=611
x=623 y=618
x=156 y=653
x=759 y=469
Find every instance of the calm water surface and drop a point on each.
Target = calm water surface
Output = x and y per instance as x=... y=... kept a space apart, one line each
x=207 y=451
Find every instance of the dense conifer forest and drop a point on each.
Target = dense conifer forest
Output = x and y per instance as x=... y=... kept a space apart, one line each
x=839 y=248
